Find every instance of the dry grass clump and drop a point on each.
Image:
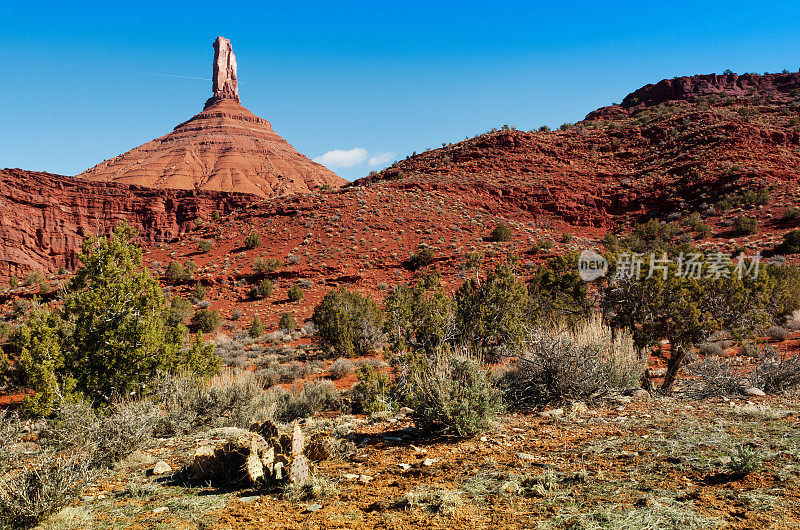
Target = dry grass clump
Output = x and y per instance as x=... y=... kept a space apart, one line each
x=572 y=364
x=45 y=484
x=342 y=367
x=232 y=399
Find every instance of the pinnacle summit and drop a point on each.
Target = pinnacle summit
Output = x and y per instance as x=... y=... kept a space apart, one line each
x=225 y=83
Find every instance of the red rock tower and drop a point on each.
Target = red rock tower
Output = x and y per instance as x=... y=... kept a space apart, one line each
x=224 y=148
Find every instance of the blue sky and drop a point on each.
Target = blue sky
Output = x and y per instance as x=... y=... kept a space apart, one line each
x=367 y=81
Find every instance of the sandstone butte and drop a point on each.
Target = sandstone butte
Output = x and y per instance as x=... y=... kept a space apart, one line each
x=224 y=148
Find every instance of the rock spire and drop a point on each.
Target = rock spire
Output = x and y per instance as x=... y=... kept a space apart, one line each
x=225 y=83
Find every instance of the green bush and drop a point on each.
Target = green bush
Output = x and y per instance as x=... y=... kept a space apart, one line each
x=422 y=258
x=205 y=245
x=256 y=328
x=110 y=337
x=33 y=278
x=252 y=241
x=452 y=393
x=198 y=292
x=791 y=242
x=501 y=233
x=264 y=266
x=175 y=272
x=13 y=282
x=316 y=396
x=371 y=393
x=179 y=310
x=206 y=320
x=287 y=322
x=262 y=289
x=348 y=323
x=189 y=267
x=492 y=312
x=419 y=317
x=295 y=293
x=745 y=225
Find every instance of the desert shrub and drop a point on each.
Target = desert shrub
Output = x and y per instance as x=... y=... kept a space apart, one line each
x=492 y=313
x=791 y=242
x=342 y=367
x=189 y=267
x=556 y=291
x=33 y=278
x=21 y=306
x=206 y=320
x=421 y=258
x=571 y=364
x=236 y=314
x=745 y=225
x=262 y=289
x=716 y=377
x=252 y=241
x=179 y=310
x=175 y=272
x=420 y=316
x=189 y=403
x=713 y=349
x=295 y=293
x=776 y=373
x=792 y=213
x=13 y=282
x=263 y=266
x=48 y=482
x=348 y=323
x=745 y=461
x=452 y=393
x=109 y=338
x=287 y=322
x=198 y=292
x=256 y=328
x=104 y=437
x=778 y=333
x=371 y=393
x=316 y=396
x=501 y=233
x=702 y=231
x=205 y=245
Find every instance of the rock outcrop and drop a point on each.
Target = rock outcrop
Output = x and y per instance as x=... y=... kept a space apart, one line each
x=225 y=82
x=224 y=148
x=689 y=88
x=44 y=217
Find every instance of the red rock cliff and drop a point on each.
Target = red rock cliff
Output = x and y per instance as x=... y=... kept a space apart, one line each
x=44 y=217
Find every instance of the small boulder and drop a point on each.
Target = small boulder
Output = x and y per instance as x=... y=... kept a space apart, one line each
x=753 y=391
x=161 y=468
x=552 y=413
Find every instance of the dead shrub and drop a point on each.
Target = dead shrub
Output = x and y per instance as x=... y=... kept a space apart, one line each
x=47 y=483
x=571 y=364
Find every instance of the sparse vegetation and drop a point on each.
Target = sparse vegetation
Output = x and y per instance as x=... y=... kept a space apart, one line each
x=287 y=322
x=295 y=293
x=206 y=320
x=252 y=241
x=501 y=233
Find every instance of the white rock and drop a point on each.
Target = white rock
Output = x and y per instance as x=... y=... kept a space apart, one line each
x=161 y=468
x=404 y=467
x=160 y=509
x=753 y=391
x=552 y=413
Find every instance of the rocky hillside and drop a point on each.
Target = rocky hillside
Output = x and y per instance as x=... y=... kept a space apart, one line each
x=701 y=161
